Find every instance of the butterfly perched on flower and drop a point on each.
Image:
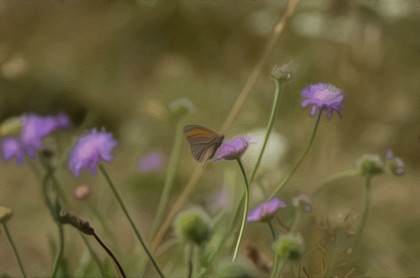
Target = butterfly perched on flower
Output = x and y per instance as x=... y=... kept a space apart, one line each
x=204 y=142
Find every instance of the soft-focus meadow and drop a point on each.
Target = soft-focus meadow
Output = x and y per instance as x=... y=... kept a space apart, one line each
x=126 y=65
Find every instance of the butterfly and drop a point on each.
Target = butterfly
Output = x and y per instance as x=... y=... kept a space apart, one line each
x=204 y=142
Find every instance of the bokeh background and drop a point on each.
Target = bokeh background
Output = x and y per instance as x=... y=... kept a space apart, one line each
x=120 y=65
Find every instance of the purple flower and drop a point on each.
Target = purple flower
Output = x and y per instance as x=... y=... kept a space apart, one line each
x=151 y=162
x=265 y=211
x=90 y=150
x=323 y=96
x=12 y=147
x=233 y=149
x=34 y=129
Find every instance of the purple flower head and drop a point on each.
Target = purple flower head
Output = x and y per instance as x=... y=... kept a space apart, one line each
x=233 y=149
x=323 y=96
x=265 y=211
x=90 y=150
x=34 y=129
x=151 y=162
x=12 y=147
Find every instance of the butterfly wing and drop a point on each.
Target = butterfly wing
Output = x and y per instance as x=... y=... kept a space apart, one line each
x=203 y=141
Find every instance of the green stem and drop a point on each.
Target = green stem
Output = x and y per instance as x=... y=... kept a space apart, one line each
x=277 y=267
x=190 y=261
x=169 y=178
x=12 y=244
x=270 y=124
x=136 y=232
x=273 y=232
x=94 y=255
x=335 y=177
x=60 y=250
x=311 y=140
x=366 y=209
x=245 y=213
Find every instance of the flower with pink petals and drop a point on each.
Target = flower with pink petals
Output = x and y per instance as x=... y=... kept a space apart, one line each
x=265 y=211
x=323 y=96
x=233 y=149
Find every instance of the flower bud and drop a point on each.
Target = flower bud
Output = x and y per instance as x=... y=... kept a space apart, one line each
x=289 y=246
x=370 y=164
x=394 y=165
x=65 y=217
x=5 y=214
x=282 y=73
x=193 y=225
x=82 y=192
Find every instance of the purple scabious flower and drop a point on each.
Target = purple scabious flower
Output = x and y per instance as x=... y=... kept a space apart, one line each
x=323 y=96
x=265 y=211
x=151 y=162
x=12 y=148
x=34 y=129
x=233 y=149
x=90 y=150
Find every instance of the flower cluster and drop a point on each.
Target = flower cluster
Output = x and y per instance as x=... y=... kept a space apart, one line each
x=34 y=129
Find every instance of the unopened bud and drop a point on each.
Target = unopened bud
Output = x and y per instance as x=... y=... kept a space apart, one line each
x=193 y=225
x=290 y=246
x=370 y=164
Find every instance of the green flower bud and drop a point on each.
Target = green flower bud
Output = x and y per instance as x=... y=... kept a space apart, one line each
x=5 y=214
x=181 y=107
x=370 y=164
x=289 y=246
x=282 y=73
x=193 y=225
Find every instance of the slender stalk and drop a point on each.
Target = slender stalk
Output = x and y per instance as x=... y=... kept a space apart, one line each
x=121 y=270
x=366 y=209
x=196 y=173
x=12 y=244
x=273 y=232
x=133 y=226
x=245 y=213
x=190 y=261
x=277 y=267
x=94 y=255
x=311 y=140
x=60 y=252
x=169 y=178
x=270 y=125
x=335 y=177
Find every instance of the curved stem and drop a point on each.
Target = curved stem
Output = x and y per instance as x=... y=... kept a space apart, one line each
x=270 y=124
x=273 y=232
x=9 y=238
x=335 y=177
x=60 y=249
x=311 y=140
x=277 y=267
x=169 y=178
x=245 y=213
x=94 y=255
x=121 y=270
x=366 y=208
x=133 y=226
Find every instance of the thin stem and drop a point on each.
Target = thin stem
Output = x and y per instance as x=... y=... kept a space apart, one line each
x=12 y=244
x=311 y=140
x=245 y=213
x=133 y=226
x=94 y=255
x=335 y=177
x=121 y=270
x=273 y=232
x=169 y=178
x=60 y=250
x=190 y=261
x=366 y=209
x=270 y=124
x=277 y=267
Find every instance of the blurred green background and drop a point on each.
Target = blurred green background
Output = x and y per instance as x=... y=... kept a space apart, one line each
x=119 y=65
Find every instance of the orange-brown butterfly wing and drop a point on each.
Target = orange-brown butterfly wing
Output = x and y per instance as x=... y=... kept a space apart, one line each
x=204 y=142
